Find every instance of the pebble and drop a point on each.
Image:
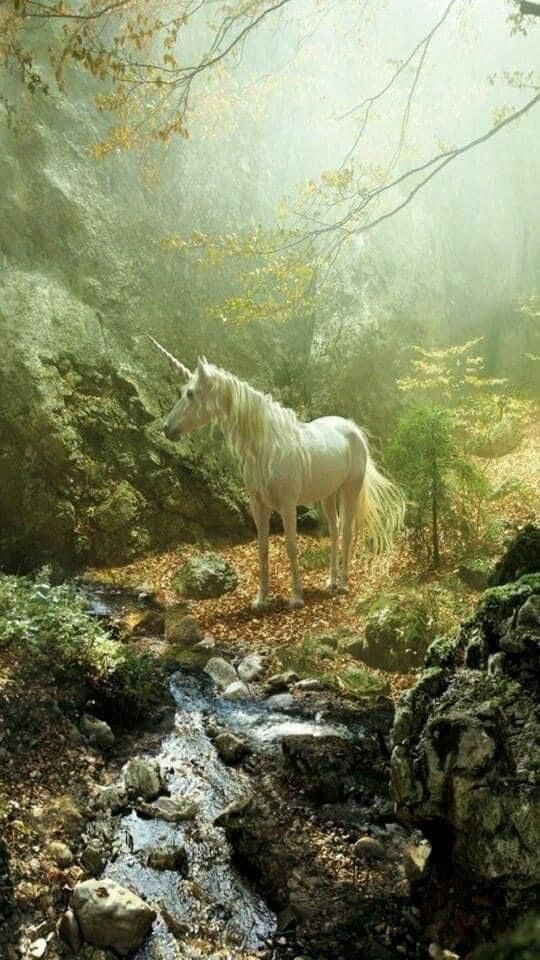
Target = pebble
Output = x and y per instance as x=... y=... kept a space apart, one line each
x=368 y=849
x=38 y=948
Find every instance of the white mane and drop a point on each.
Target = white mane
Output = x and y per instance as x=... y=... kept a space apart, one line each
x=258 y=428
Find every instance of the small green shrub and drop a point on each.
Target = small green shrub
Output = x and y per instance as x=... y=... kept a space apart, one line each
x=316 y=557
x=49 y=633
x=364 y=684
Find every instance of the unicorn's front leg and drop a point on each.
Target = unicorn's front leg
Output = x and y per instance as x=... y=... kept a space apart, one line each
x=261 y=515
x=289 y=525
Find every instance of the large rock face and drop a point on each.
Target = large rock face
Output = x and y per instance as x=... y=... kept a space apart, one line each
x=85 y=473
x=466 y=755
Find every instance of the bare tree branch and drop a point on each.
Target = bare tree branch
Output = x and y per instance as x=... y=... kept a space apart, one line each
x=367 y=104
x=44 y=12
x=346 y=227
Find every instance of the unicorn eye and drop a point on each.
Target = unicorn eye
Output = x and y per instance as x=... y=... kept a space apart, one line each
x=189 y=393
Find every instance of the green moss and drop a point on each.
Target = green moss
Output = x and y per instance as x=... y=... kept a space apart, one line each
x=523 y=943
x=399 y=628
x=50 y=635
x=364 y=684
x=442 y=652
x=310 y=657
x=315 y=557
x=531 y=580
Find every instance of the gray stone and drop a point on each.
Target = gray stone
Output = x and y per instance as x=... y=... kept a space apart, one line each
x=171 y=809
x=233 y=810
x=528 y=617
x=97 y=732
x=466 y=741
x=204 y=576
x=110 y=915
x=398 y=632
x=311 y=683
x=476 y=573
x=237 y=691
x=280 y=682
x=475 y=748
x=38 y=949
x=281 y=701
x=74 y=735
x=143 y=778
x=368 y=849
x=92 y=859
x=251 y=667
x=168 y=858
x=182 y=628
x=112 y=797
x=230 y=748
x=222 y=672
x=353 y=647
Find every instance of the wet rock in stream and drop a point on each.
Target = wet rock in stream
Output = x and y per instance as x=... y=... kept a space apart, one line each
x=142 y=778
x=110 y=915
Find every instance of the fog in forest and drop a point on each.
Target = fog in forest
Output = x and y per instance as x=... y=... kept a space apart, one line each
x=269 y=445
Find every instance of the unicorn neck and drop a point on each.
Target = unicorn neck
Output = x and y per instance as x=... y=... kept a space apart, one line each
x=253 y=421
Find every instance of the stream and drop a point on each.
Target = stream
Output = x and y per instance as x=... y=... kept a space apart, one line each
x=213 y=910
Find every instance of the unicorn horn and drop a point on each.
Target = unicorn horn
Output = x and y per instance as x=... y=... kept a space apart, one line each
x=176 y=363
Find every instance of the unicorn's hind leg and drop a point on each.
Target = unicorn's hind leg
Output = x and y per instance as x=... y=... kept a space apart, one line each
x=288 y=515
x=329 y=506
x=349 y=499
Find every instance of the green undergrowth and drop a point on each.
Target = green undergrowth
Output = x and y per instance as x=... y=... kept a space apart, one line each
x=315 y=556
x=47 y=635
x=313 y=658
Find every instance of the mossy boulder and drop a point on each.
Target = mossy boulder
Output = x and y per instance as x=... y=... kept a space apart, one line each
x=398 y=631
x=204 y=576
x=521 y=557
x=466 y=743
x=476 y=573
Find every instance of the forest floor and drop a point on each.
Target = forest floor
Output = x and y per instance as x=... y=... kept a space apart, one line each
x=281 y=633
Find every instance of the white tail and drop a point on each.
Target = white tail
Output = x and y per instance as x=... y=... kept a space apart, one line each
x=381 y=507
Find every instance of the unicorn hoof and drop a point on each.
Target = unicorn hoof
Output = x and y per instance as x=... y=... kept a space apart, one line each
x=331 y=586
x=342 y=588
x=295 y=603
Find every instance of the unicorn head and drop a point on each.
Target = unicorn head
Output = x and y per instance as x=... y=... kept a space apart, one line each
x=193 y=409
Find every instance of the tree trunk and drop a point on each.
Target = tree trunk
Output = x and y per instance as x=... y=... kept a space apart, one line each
x=435 y=553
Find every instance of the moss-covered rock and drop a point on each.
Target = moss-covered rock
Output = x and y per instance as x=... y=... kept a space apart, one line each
x=521 y=557
x=204 y=576
x=476 y=572
x=399 y=629
x=466 y=742
x=86 y=474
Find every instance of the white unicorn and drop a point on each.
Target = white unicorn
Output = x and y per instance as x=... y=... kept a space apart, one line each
x=288 y=462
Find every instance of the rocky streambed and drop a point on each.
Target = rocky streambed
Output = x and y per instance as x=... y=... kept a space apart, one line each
x=255 y=826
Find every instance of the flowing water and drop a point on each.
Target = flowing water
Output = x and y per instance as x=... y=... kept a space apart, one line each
x=212 y=910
